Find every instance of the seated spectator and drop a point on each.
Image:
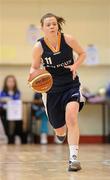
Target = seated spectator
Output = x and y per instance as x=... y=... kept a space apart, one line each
x=108 y=91
x=10 y=92
x=38 y=112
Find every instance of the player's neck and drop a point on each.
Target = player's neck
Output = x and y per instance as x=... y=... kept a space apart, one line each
x=53 y=40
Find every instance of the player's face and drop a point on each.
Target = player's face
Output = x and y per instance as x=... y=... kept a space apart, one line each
x=50 y=26
x=10 y=83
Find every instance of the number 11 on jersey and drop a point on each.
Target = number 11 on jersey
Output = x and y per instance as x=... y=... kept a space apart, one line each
x=48 y=60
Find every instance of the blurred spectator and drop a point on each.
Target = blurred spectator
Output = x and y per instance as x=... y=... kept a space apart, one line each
x=38 y=112
x=108 y=90
x=10 y=92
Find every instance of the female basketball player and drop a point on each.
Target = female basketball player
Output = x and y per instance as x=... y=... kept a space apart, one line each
x=64 y=98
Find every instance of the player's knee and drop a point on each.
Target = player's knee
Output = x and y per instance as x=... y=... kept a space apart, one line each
x=71 y=121
x=59 y=131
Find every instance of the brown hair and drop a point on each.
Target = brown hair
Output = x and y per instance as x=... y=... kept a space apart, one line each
x=60 y=20
x=5 y=88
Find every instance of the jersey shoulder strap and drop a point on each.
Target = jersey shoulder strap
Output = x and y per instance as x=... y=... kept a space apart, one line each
x=44 y=46
x=63 y=42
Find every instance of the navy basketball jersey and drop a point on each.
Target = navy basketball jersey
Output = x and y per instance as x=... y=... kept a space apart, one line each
x=54 y=63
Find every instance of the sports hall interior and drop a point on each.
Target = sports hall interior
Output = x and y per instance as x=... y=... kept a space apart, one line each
x=89 y=22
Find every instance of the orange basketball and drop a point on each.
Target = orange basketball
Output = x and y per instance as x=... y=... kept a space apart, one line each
x=41 y=81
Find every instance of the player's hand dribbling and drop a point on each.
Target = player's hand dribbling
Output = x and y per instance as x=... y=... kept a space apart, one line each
x=29 y=77
x=73 y=69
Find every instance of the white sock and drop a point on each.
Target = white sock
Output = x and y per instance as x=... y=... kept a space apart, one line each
x=73 y=152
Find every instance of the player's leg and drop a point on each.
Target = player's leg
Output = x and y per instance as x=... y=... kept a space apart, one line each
x=56 y=115
x=72 y=109
x=61 y=133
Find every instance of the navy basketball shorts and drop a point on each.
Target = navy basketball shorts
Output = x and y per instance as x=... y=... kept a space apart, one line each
x=56 y=105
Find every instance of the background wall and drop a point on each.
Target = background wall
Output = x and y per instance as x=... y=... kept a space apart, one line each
x=87 y=20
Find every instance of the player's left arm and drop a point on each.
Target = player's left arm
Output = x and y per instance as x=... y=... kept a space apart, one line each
x=79 y=50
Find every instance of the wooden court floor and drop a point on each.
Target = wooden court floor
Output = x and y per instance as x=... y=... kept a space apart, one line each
x=50 y=162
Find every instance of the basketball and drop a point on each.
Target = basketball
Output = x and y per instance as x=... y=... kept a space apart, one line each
x=40 y=81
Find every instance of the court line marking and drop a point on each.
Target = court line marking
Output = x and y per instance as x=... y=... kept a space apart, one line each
x=33 y=162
